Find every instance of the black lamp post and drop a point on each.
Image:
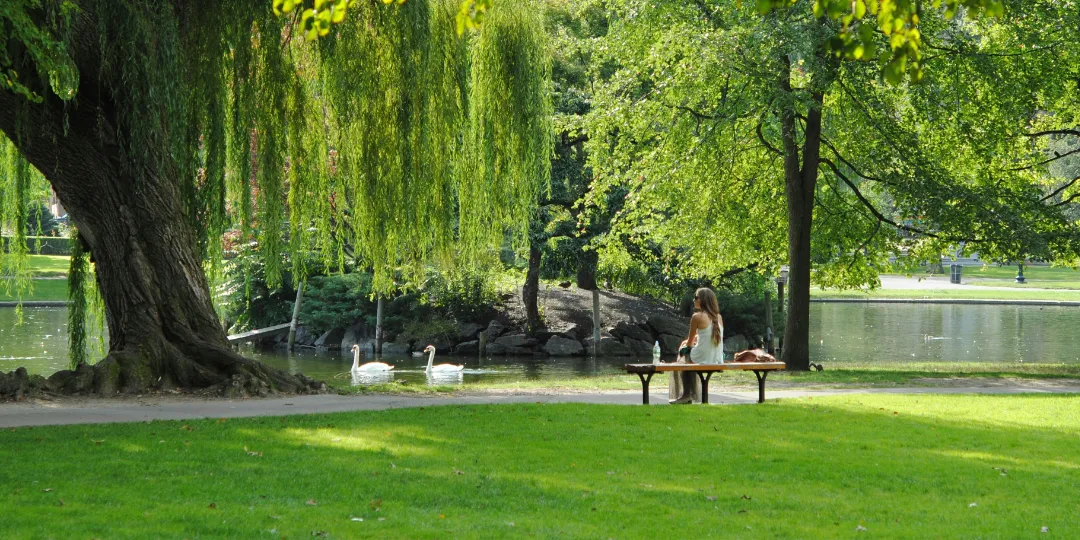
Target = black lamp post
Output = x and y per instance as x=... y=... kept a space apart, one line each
x=780 y=281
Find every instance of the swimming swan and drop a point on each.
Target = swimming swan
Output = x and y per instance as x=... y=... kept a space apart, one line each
x=368 y=367
x=441 y=368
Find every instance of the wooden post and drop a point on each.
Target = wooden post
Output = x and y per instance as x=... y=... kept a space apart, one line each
x=483 y=343
x=378 y=325
x=295 y=315
x=768 y=322
x=595 y=321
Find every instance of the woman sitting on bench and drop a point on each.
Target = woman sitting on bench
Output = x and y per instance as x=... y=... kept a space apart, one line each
x=704 y=345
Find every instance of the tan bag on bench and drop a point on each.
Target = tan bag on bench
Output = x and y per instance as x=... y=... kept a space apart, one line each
x=753 y=355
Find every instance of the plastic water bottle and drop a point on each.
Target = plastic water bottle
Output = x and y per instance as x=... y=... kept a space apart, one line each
x=656 y=353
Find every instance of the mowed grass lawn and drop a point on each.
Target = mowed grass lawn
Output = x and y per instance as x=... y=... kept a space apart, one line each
x=43 y=289
x=898 y=466
x=48 y=272
x=49 y=265
x=1045 y=277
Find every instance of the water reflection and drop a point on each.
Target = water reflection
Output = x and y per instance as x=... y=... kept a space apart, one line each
x=40 y=343
x=370 y=377
x=438 y=378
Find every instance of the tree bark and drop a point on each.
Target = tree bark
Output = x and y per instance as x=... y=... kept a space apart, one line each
x=586 y=274
x=163 y=330
x=800 y=180
x=531 y=290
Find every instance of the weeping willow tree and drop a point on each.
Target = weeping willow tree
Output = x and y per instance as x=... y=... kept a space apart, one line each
x=162 y=125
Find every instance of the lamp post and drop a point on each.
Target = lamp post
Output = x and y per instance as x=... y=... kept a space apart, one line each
x=780 y=281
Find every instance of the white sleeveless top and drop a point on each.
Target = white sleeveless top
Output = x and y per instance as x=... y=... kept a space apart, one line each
x=705 y=352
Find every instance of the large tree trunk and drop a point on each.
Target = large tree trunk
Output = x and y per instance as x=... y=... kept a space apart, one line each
x=800 y=181
x=163 y=331
x=530 y=292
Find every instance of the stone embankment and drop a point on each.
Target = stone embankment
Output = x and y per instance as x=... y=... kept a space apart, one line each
x=629 y=327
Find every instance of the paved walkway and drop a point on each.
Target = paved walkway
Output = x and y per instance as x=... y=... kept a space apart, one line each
x=163 y=408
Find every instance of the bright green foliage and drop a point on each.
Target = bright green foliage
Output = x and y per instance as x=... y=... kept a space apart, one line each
x=18 y=180
x=897 y=20
x=688 y=122
x=78 y=279
x=396 y=139
x=40 y=222
x=22 y=21
x=316 y=21
x=438 y=147
x=86 y=308
x=898 y=466
x=524 y=133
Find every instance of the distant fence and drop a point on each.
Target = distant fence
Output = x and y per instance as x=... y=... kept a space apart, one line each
x=44 y=245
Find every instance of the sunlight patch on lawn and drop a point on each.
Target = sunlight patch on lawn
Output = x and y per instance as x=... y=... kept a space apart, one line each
x=1002 y=459
x=959 y=410
x=391 y=440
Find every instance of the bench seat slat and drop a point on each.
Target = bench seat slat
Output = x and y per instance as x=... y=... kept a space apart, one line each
x=731 y=366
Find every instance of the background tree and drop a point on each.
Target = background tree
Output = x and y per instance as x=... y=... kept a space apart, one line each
x=715 y=114
x=561 y=232
x=159 y=125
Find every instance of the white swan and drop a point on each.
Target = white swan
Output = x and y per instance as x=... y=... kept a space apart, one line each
x=370 y=366
x=441 y=368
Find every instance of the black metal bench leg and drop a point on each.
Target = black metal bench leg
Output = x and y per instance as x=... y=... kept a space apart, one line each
x=704 y=378
x=645 y=387
x=761 y=385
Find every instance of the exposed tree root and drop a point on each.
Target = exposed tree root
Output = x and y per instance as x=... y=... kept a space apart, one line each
x=216 y=372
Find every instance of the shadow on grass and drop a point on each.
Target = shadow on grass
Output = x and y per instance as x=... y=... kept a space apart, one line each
x=897 y=465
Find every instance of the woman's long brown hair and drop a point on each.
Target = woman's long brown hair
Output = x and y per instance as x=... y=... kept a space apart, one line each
x=710 y=307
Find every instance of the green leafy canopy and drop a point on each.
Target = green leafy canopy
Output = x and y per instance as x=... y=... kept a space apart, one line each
x=390 y=145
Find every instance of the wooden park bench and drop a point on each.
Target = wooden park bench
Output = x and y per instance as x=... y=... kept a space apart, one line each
x=704 y=373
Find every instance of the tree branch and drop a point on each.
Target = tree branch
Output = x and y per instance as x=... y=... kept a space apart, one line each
x=877 y=214
x=737 y=271
x=1073 y=132
x=698 y=115
x=761 y=137
x=573 y=141
x=1058 y=191
x=848 y=163
x=1051 y=160
x=862 y=246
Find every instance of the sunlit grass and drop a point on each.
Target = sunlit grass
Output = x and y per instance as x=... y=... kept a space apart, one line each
x=43 y=290
x=49 y=265
x=48 y=283
x=1035 y=277
x=898 y=466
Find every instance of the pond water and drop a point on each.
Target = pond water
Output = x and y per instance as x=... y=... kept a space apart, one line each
x=840 y=332
x=845 y=332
